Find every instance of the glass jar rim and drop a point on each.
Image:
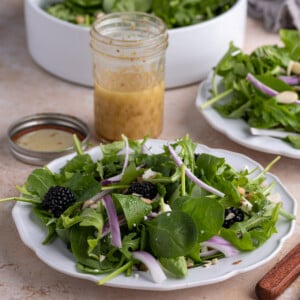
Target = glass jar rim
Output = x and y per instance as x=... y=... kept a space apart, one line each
x=156 y=37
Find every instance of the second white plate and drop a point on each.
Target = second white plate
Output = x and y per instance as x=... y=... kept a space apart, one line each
x=238 y=130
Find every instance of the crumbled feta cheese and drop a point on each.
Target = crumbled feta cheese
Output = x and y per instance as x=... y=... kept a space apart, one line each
x=246 y=203
x=207 y=263
x=88 y=203
x=189 y=262
x=102 y=258
x=167 y=208
x=230 y=216
x=275 y=198
x=148 y=174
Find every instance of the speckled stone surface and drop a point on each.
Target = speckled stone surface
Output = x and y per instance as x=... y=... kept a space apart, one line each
x=25 y=89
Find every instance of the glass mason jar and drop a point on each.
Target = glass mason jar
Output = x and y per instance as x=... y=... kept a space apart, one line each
x=129 y=69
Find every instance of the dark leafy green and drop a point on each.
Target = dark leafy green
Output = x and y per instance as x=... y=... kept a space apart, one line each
x=174 y=13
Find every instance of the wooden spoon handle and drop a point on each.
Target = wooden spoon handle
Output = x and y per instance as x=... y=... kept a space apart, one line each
x=280 y=276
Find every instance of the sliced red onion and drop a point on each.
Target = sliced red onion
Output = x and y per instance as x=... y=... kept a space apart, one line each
x=118 y=177
x=290 y=80
x=191 y=176
x=113 y=221
x=152 y=264
x=106 y=228
x=283 y=97
x=261 y=86
x=106 y=182
x=222 y=245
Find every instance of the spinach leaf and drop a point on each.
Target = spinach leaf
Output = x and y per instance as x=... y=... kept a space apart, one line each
x=207 y=214
x=134 y=208
x=172 y=234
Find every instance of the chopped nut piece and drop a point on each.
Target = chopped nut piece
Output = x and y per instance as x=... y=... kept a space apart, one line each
x=241 y=190
x=80 y=19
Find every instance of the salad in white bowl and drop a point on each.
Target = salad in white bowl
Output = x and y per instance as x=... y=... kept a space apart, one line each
x=173 y=13
x=199 y=34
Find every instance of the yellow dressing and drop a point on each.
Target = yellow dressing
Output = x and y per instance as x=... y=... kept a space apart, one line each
x=132 y=104
x=45 y=140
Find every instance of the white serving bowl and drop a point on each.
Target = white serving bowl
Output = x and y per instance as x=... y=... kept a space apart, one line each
x=63 y=49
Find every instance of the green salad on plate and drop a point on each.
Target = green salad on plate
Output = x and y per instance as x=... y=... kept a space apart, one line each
x=262 y=88
x=133 y=209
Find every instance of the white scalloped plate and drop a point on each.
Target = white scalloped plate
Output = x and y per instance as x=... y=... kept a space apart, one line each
x=238 y=130
x=57 y=256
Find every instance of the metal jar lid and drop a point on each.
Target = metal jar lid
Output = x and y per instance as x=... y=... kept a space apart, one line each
x=45 y=122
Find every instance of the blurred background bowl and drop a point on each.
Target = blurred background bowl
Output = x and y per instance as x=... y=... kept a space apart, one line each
x=63 y=49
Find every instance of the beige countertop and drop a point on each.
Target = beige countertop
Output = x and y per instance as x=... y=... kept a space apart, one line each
x=25 y=89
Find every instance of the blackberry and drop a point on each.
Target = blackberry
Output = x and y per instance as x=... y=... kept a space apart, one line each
x=144 y=188
x=232 y=215
x=57 y=200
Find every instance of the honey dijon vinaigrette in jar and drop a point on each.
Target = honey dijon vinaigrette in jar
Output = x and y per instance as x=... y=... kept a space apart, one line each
x=129 y=67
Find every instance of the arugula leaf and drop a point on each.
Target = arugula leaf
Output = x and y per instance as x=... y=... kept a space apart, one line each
x=130 y=242
x=80 y=163
x=93 y=218
x=80 y=248
x=39 y=182
x=291 y=40
x=83 y=186
x=49 y=221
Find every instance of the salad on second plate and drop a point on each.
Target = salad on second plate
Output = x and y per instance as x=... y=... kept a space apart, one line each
x=165 y=212
x=262 y=87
